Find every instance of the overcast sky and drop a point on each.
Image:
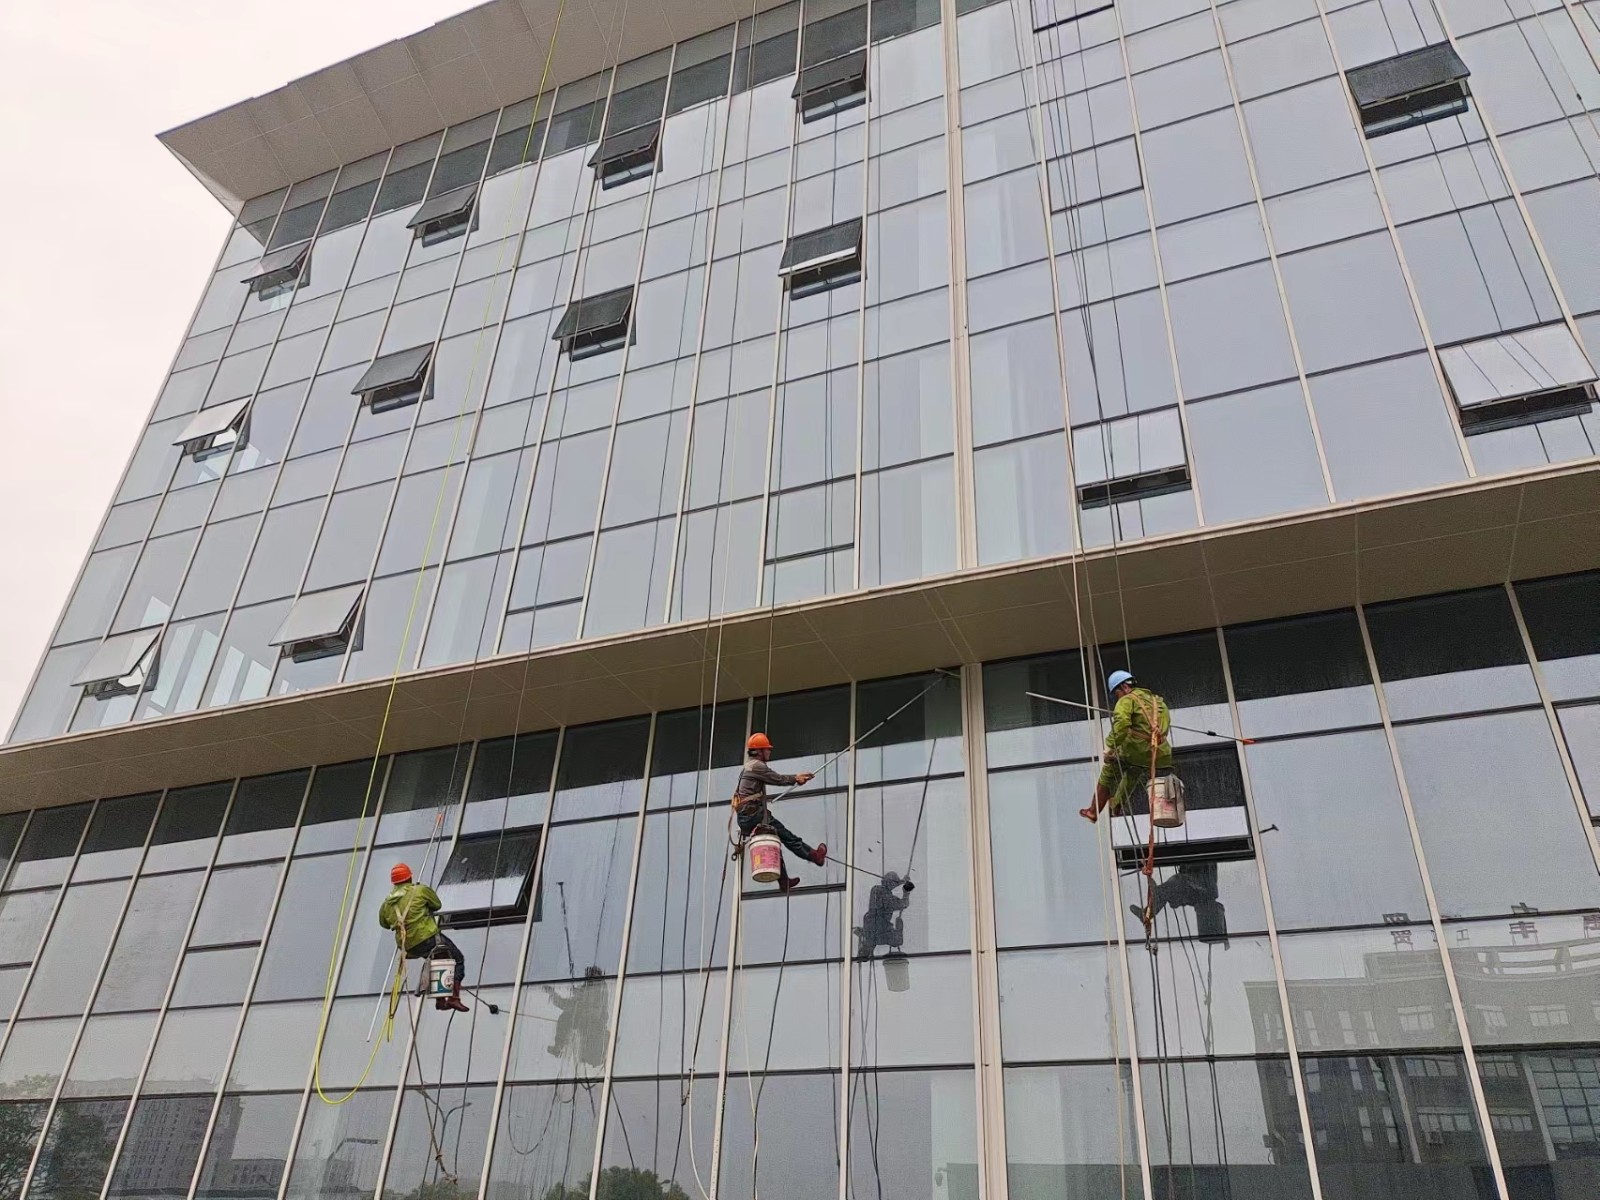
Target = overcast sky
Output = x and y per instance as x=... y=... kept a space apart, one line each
x=109 y=241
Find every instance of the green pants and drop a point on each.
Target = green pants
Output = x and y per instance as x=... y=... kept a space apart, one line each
x=1122 y=779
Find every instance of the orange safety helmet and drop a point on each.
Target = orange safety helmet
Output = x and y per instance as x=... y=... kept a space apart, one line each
x=399 y=873
x=758 y=741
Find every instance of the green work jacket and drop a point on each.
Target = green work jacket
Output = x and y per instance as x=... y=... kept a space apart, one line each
x=1129 y=739
x=411 y=905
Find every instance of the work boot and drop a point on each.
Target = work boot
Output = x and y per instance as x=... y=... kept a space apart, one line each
x=788 y=883
x=454 y=1001
x=820 y=854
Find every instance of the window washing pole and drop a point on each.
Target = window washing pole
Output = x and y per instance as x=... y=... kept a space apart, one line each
x=1106 y=712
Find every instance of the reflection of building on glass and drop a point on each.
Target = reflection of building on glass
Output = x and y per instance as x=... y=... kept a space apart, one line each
x=883 y=924
x=160 y=1160
x=239 y=1178
x=584 y=1021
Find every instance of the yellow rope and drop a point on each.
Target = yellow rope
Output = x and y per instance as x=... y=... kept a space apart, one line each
x=394 y=683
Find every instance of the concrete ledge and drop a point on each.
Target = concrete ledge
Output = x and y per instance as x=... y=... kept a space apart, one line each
x=1479 y=532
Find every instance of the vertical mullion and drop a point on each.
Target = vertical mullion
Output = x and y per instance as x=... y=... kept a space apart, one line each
x=1469 y=1055
x=859 y=562
x=622 y=969
x=88 y=1003
x=250 y=987
x=166 y=997
x=1307 y=1134
x=22 y=834
x=847 y=962
x=514 y=1007
x=719 y=160
x=956 y=224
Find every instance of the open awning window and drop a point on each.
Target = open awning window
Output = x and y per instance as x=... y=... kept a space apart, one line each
x=124 y=665
x=395 y=380
x=280 y=271
x=822 y=259
x=1519 y=378
x=1131 y=458
x=1409 y=89
x=490 y=877
x=447 y=215
x=320 y=624
x=832 y=86
x=1216 y=827
x=626 y=156
x=215 y=429
x=596 y=324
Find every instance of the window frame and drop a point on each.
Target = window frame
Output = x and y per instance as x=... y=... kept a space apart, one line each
x=125 y=664
x=322 y=639
x=820 y=260
x=528 y=899
x=627 y=156
x=1410 y=89
x=833 y=86
x=597 y=324
x=382 y=390
x=446 y=215
x=280 y=272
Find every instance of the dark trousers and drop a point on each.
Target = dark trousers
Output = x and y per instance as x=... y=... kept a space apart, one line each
x=440 y=943
x=755 y=815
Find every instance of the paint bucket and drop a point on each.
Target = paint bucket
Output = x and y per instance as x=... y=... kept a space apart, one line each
x=1166 y=801
x=441 y=976
x=766 y=857
x=897 y=972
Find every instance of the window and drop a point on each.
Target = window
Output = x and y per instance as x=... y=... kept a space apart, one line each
x=832 y=86
x=626 y=156
x=396 y=380
x=279 y=273
x=215 y=430
x=1135 y=458
x=321 y=624
x=596 y=324
x=1410 y=89
x=1216 y=827
x=489 y=877
x=1519 y=378
x=124 y=665
x=822 y=259
x=445 y=216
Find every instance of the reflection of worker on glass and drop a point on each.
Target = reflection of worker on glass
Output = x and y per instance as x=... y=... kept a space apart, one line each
x=1191 y=885
x=585 y=1015
x=883 y=925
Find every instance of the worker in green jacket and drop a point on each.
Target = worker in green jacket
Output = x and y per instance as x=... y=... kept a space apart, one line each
x=409 y=911
x=1139 y=721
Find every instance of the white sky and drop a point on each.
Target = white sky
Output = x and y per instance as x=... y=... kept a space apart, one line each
x=109 y=241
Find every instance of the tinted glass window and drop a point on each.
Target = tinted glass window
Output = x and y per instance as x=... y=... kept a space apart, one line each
x=147 y=946
x=48 y=846
x=1450 y=653
x=258 y=1129
x=602 y=769
x=1301 y=674
x=153 y=1161
x=186 y=830
x=115 y=841
x=261 y=824
x=1563 y=618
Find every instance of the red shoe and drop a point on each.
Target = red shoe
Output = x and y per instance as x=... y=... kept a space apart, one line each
x=820 y=854
x=455 y=1003
x=442 y=1004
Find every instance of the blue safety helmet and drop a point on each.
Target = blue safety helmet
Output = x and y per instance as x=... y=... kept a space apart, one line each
x=1118 y=678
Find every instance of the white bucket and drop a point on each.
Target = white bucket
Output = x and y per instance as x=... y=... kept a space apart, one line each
x=766 y=857
x=1166 y=802
x=897 y=972
x=441 y=976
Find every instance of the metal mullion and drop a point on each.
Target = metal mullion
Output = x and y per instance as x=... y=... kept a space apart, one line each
x=718 y=166
x=413 y=1005
x=88 y=1003
x=77 y=579
x=1591 y=42
x=780 y=340
x=847 y=966
x=355 y=876
x=1277 y=268
x=622 y=372
x=494 y=353
x=1447 y=966
x=249 y=994
x=579 y=258
x=422 y=597
x=514 y=1007
x=963 y=450
x=859 y=562
x=255 y=393
x=1307 y=1133
x=988 y=1066
x=233 y=598
x=622 y=968
x=166 y=996
x=27 y=820
x=1586 y=819
x=49 y=926
x=727 y=1009
x=1516 y=192
x=1399 y=250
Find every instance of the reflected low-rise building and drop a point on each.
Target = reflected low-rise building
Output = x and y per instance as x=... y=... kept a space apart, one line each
x=577 y=392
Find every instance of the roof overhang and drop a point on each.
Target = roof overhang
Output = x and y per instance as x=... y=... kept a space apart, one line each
x=463 y=67
x=1523 y=526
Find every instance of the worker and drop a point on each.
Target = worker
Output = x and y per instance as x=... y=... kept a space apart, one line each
x=1140 y=723
x=883 y=924
x=581 y=1029
x=409 y=911
x=750 y=805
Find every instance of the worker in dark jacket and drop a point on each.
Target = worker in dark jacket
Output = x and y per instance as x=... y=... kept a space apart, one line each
x=1140 y=724
x=883 y=924
x=409 y=911
x=750 y=804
